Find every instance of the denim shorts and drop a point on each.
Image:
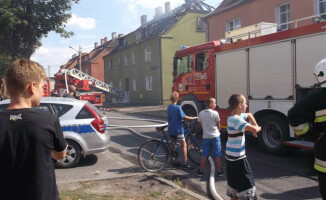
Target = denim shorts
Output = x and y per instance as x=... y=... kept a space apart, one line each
x=214 y=144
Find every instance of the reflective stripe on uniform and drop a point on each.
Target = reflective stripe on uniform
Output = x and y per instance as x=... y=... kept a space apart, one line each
x=301 y=129
x=320 y=119
x=320 y=116
x=320 y=165
x=320 y=113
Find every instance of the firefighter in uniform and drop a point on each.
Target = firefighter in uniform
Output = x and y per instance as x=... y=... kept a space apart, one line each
x=308 y=116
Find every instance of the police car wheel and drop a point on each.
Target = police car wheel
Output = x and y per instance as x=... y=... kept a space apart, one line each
x=72 y=158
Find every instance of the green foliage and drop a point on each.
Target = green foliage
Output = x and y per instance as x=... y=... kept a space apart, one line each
x=5 y=61
x=23 y=23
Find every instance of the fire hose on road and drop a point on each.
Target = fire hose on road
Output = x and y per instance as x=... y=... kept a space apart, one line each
x=211 y=181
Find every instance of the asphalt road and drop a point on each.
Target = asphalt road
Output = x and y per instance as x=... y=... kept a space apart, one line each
x=289 y=177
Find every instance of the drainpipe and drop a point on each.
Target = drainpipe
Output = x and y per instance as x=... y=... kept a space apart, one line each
x=160 y=68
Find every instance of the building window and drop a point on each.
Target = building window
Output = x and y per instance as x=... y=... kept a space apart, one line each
x=133 y=58
x=284 y=16
x=233 y=25
x=134 y=85
x=126 y=60
x=119 y=61
x=148 y=57
x=110 y=65
x=120 y=85
x=149 y=83
x=322 y=8
x=200 y=24
x=138 y=36
x=86 y=58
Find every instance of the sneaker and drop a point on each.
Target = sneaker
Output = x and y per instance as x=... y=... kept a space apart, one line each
x=176 y=164
x=187 y=166
x=199 y=173
x=220 y=173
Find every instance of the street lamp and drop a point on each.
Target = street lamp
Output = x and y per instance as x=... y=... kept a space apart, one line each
x=79 y=53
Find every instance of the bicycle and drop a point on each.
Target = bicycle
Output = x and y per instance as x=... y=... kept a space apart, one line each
x=154 y=155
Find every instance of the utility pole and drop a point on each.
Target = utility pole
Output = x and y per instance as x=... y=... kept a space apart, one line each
x=79 y=51
x=49 y=67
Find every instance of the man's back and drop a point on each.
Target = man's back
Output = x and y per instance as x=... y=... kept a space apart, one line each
x=27 y=138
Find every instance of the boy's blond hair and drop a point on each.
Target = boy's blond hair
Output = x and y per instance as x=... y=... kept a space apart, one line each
x=174 y=96
x=21 y=73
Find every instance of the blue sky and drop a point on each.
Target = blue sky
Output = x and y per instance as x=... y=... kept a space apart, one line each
x=91 y=21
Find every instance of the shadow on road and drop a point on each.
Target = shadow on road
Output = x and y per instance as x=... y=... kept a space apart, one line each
x=305 y=193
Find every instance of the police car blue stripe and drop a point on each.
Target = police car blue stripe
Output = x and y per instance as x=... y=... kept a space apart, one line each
x=79 y=129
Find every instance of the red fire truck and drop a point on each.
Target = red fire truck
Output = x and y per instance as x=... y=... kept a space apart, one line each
x=88 y=88
x=273 y=71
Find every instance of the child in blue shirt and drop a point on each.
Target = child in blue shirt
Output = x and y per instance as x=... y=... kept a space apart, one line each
x=240 y=180
x=175 y=126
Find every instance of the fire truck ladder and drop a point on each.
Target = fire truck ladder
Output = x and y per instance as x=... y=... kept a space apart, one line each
x=94 y=82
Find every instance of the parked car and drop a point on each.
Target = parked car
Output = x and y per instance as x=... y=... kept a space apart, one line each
x=83 y=125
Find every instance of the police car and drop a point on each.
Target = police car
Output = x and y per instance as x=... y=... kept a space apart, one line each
x=83 y=125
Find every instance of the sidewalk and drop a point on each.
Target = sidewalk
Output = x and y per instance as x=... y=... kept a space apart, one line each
x=121 y=179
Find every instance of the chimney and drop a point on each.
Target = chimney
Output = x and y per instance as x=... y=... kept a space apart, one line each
x=105 y=39
x=102 y=41
x=120 y=35
x=143 y=19
x=95 y=45
x=114 y=35
x=158 y=12
x=167 y=7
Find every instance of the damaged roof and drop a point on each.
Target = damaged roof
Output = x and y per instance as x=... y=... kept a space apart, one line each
x=163 y=23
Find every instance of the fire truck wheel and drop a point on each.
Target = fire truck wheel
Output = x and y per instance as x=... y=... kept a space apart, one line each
x=274 y=131
x=72 y=158
x=189 y=111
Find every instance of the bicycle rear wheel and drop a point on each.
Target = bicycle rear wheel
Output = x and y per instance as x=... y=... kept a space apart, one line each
x=153 y=156
x=194 y=150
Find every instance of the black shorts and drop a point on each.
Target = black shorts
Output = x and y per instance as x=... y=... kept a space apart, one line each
x=241 y=183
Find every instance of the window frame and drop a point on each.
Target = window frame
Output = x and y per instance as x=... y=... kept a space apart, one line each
x=133 y=58
x=149 y=83
x=126 y=60
x=235 y=25
x=322 y=2
x=148 y=55
x=134 y=85
x=287 y=12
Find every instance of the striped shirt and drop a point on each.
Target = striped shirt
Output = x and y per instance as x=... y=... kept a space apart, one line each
x=235 y=146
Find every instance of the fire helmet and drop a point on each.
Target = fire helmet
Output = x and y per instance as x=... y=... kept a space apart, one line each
x=320 y=72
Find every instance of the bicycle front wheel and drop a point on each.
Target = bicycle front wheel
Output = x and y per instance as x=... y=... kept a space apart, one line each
x=194 y=150
x=153 y=156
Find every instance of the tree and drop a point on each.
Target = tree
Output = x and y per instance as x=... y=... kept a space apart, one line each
x=23 y=23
